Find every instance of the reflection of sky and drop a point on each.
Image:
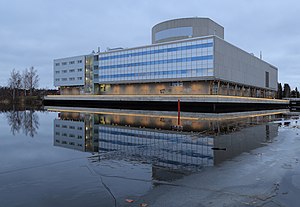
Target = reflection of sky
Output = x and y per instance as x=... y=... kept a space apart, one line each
x=23 y=151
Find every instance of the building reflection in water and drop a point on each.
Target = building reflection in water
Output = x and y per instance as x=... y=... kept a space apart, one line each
x=155 y=140
x=132 y=153
x=76 y=131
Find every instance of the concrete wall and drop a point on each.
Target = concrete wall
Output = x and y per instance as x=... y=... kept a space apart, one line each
x=70 y=90
x=183 y=88
x=177 y=29
x=236 y=65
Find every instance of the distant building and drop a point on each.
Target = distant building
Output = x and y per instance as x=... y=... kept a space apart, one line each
x=187 y=56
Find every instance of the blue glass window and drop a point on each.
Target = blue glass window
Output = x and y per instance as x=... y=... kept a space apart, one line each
x=173 y=49
x=149 y=74
x=189 y=59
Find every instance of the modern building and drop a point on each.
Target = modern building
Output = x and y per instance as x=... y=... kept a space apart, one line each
x=187 y=56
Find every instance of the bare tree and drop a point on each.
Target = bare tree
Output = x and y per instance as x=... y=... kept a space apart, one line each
x=30 y=123
x=15 y=121
x=15 y=82
x=32 y=79
x=26 y=120
x=25 y=81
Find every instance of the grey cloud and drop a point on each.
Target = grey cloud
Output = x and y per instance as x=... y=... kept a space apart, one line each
x=35 y=32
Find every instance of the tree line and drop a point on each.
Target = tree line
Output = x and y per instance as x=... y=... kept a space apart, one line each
x=22 y=87
x=286 y=92
x=28 y=80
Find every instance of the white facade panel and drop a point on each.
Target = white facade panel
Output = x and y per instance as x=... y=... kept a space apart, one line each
x=235 y=65
x=69 y=71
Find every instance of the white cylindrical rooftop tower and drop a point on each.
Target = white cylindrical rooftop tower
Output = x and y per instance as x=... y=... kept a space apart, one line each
x=183 y=28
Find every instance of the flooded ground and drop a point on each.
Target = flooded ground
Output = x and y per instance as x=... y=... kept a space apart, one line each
x=100 y=157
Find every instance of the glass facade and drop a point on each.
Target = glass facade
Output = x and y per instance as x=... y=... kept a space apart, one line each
x=181 y=60
x=88 y=81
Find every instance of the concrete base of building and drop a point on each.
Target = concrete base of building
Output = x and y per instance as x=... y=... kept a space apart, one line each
x=192 y=87
x=188 y=103
x=205 y=87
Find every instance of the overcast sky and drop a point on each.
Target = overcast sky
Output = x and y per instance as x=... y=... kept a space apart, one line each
x=34 y=32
